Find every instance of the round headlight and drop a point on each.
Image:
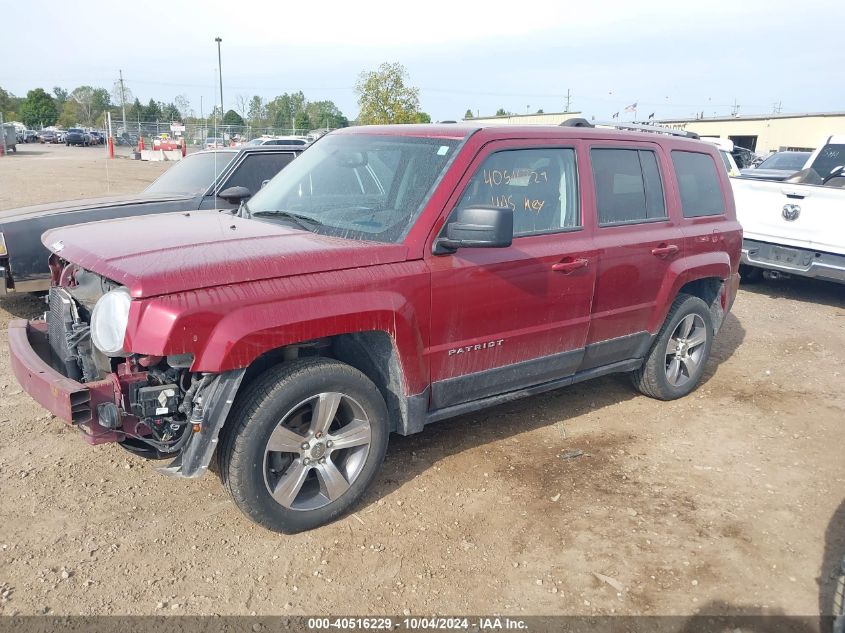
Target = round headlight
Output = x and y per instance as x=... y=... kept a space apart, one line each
x=109 y=320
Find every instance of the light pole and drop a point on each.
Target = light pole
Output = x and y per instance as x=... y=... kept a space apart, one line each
x=218 y=39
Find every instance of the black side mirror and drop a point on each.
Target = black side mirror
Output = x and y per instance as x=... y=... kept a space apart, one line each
x=234 y=195
x=477 y=227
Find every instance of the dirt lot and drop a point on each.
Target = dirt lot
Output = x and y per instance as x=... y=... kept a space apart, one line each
x=726 y=501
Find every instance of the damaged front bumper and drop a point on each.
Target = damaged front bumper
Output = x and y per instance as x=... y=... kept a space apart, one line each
x=72 y=402
x=77 y=403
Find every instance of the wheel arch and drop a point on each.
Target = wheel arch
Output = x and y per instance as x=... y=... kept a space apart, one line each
x=705 y=276
x=374 y=353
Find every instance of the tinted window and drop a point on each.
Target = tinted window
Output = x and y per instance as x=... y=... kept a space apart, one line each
x=257 y=168
x=628 y=186
x=785 y=160
x=698 y=182
x=830 y=156
x=539 y=185
x=193 y=174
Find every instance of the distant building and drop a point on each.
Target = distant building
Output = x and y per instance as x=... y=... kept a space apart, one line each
x=545 y=118
x=766 y=132
x=762 y=133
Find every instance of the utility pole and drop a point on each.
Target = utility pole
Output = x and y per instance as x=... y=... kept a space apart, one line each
x=735 y=108
x=568 y=100
x=777 y=108
x=220 y=73
x=122 y=101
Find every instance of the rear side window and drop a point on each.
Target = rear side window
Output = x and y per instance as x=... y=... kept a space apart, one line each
x=698 y=182
x=257 y=168
x=628 y=186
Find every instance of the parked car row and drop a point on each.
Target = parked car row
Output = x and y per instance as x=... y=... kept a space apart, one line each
x=388 y=278
x=78 y=136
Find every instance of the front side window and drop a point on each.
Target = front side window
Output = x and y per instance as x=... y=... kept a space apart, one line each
x=357 y=186
x=698 y=182
x=540 y=186
x=628 y=186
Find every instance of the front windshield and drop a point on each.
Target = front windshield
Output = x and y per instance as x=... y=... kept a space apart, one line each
x=830 y=156
x=256 y=141
x=785 y=160
x=192 y=175
x=361 y=186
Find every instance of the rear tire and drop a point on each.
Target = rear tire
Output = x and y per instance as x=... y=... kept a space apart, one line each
x=303 y=444
x=750 y=274
x=676 y=361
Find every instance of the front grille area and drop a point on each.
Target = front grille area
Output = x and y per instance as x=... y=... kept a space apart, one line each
x=61 y=316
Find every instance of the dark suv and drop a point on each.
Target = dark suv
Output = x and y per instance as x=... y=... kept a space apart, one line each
x=389 y=278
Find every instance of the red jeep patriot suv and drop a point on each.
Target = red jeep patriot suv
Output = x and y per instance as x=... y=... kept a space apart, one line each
x=388 y=278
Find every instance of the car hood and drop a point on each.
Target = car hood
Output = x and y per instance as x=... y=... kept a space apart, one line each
x=767 y=174
x=70 y=206
x=176 y=252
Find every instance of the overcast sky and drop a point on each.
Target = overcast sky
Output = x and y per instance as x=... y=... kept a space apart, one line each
x=672 y=58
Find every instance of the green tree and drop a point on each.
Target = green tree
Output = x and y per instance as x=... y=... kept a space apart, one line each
x=152 y=111
x=83 y=96
x=61 y=95
x=325 y=114
x=135 y=111
x=283 y=109
x=256 y=111
x=302 y=122
x=468 y=114
x=422 y=117
x=8 y=105
x=384 y=97
x=69 y=116
x=232 y=118
x=502 y=112
x=169 y=112
x=38 y=109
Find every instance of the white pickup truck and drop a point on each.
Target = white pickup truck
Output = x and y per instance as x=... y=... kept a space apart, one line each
x=797 y=226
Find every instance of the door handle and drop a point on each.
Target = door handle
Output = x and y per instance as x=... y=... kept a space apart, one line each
x=570 y=265
x=663 y=251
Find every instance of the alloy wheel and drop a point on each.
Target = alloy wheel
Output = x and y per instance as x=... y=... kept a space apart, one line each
x=317 y=451
x=685 y=350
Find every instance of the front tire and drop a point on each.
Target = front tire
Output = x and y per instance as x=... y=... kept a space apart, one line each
x=676 y=361
x=304 y=443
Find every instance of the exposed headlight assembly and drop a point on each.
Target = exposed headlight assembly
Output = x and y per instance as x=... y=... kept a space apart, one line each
x=3 y=250
x=109 y=320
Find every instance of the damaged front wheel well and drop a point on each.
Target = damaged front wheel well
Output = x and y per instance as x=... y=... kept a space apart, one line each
x=372 y=352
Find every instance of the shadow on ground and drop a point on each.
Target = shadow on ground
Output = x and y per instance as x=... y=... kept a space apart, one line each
x=410 y=456
x=800 y=289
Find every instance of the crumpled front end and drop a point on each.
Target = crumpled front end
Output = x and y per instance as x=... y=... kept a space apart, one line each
x=153 y=406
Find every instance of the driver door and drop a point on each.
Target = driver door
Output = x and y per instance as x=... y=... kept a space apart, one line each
x=507 y=318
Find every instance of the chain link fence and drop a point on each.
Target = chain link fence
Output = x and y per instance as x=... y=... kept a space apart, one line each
x=196 y=134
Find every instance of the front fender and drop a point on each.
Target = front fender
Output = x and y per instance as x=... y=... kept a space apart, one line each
x=682 y=271
x=228 y=327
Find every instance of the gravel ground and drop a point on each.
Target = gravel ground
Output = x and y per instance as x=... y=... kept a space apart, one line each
x=727 y=501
